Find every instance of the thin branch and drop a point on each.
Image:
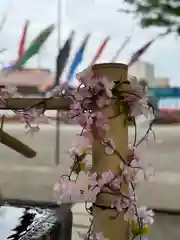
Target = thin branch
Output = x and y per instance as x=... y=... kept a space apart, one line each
x=39 y=103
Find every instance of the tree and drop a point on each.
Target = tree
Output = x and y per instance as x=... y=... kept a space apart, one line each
x=159 y=13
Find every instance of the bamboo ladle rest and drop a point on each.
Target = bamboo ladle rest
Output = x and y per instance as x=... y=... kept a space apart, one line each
x=16 y=145
x=18 y=103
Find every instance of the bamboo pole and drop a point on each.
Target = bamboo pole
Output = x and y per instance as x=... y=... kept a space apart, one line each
x=117 y=228
x=16 y=145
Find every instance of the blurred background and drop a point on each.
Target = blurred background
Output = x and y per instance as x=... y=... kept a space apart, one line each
x=47 y=43
x=100 y=35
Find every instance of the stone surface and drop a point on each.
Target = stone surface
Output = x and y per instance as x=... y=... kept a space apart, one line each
x=26 y=220
x=165 y=227
x=26 y=223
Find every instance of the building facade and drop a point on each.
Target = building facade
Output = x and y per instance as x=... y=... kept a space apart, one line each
x=29 y=81
x=143 y=70
x=162 y=82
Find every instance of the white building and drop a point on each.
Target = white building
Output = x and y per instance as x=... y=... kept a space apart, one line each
x=162 y=82
x=143 y=70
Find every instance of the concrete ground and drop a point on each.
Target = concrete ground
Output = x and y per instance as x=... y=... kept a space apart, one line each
x=23 y=177
x=34 y=178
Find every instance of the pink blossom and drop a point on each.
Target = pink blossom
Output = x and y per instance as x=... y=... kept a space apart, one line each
x=85 y=120
x=147 y=216
x=87 y=103
x=81 y=147
x=140 y=107
x=115 y=184
x=137 y=88
x=93 y=182
x=96 y=236
x=136 y=155
x=136 y=168
x=108 y=86
x=92 y=236
x=81 y=190
x=125 y=203
x=128 y=173
x=105 y=178
x=78 y=153
x=33 y=129
x=138 y=99
x=85 y=76
x=143 y=167
x=99 y=83
x=83 y=94
x=88 y=134
x=76 y=106
x=62 y=190
x=110 y=146
x=99 y=236
x=103 y=101
x=30 y=117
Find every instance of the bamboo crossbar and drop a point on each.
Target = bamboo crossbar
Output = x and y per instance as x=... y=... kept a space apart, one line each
x=59 y=103
x=16 y=145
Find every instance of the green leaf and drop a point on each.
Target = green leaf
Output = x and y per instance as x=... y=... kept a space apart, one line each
x=158 y=13
x=139 y=231
x=158 y=21
x=145 y=230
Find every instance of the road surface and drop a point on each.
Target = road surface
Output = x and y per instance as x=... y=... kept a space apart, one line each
x=164 y=153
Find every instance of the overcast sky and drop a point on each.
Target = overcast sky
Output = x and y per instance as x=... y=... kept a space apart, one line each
x=98 y=17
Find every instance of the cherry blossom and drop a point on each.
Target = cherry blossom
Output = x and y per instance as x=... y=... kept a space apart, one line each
x=108 y=86
x=85 y=76
x=147 y=216
x=97 y=236
x=110 y=146
x=125 y=204
x=81 y=190
x=80 y=147
x=31 y=117
x=87 y=109
x=105 y=178
x=138 y=100
x=33 y=129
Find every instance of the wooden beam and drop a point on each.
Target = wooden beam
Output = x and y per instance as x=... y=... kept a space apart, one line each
x=59 y=103
x=16 y=145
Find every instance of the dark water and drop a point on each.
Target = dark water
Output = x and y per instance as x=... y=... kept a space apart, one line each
x=21 y=223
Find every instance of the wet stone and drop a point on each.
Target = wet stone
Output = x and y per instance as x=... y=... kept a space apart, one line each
x=26 y=223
